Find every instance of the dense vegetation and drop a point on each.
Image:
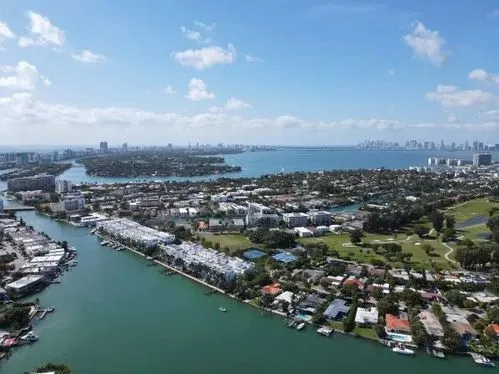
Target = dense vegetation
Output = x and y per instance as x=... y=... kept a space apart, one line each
x=52 y=169
x=272 y=239
x=161 y=165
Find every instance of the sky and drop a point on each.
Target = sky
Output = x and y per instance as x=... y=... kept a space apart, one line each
x=280 y=72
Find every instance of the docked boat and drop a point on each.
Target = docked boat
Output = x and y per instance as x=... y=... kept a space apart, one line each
x=222 y=309
x=300 y=326
x=119 y=248
x=30 y=337
x=104 y=243
x=93 y=231
x=482 y=360
x=403 y=350
x=292 y=323
x=326 y=331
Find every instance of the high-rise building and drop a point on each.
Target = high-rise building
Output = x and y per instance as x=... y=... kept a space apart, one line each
x=125 y=146
x=63 y=186
x=38 y=182
x=475 y=145
x=482 y=159
x=103 y=147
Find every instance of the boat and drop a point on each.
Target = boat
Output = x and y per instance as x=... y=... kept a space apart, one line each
x=402 y=350
x=93 y=231
x=482 y=360
x=104 y=243
x=30 y=337
x=326 y=331
x=292 y=323
x=119 y=248
x=222 y=309
x=300 y=326
x=438 y=354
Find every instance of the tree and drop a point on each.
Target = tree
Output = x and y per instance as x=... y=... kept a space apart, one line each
x=349 y=321
x=51 y=367
x=387 y=305
x=455 y=297
x=450 y=222
x=421 y=231
x=380 y=330
x=427 y=248
x=216 y=246
x=448 y=234
x=437 y=220
x=356 y=236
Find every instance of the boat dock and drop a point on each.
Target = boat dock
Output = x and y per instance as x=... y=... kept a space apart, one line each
x=43 y=312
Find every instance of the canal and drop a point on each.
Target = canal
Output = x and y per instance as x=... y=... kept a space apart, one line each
x=116 y=315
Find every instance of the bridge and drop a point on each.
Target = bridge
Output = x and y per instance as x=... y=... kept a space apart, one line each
x=18 y=209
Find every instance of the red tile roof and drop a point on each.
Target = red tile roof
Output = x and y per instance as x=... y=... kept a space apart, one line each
x=396 y=324
x=494 y=328
x=356 y=282
x=272 y=289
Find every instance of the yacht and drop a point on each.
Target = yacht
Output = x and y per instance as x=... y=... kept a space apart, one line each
x=482 y=360
x=326 y=331
x=30 y=337
x=300 y=326
x=222 y=309
x=403 y=350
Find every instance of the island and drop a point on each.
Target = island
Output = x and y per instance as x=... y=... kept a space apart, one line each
x=30 y=171
x=144 y=164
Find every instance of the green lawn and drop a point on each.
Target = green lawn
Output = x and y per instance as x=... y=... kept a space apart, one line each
x=232 y=241
x=364 y=255
x=467 y=210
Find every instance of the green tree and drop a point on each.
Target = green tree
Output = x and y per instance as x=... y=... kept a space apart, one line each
x=349 y=321
x=356 y=236
x=421 y=231
x=450 y=222
x=437 y=220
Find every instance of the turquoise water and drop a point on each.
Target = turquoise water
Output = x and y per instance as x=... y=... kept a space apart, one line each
x=255 y=164
x=116 y=315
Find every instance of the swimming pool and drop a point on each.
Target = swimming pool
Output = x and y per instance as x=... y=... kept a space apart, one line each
x=399 y=337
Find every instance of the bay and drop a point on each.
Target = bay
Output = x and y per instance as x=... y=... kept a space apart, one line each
x=286 y=160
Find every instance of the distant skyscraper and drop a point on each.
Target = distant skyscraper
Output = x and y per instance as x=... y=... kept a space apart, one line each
x=475 y=145
x=103 y=147
x=125 y=146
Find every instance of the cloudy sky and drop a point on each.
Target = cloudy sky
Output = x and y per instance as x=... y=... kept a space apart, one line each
x=252 y=72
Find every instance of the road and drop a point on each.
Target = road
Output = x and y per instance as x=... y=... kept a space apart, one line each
x=449 y=252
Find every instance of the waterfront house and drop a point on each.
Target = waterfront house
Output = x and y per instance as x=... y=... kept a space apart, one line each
x=465 y=331
x=310 y=304
x=493 y=329
x=366 y=317
x=272 y=289
x=431 y=324
x=336 y=309
x=394 y=324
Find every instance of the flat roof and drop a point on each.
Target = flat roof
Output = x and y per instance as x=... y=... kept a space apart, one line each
x=24 y=281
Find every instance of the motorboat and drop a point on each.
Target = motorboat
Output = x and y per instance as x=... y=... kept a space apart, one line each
x=326 y=331
x=222 y=309
x=403 y=350
x=30 y=337
x=300 y=326
x=482 y=360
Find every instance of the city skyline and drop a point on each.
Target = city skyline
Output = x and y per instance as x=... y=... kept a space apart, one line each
x=284 y=73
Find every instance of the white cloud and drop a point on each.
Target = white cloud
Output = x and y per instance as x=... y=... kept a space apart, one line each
x=23 y=76
x=391 y=72
x=483 y=76
x=198 y=90
x=204 y=58
x=251 y=58
x=204 y=26
x=191 y=34
x=231 y=104
x=42 y=32
x=88 y=57
x=27 y=120
x=478 y=74
x=169 y=90
x=453 y=97
x=426 y=44
x=5 y=33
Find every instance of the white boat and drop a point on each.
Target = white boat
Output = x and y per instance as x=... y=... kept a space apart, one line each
x=300 y=326
x=326 y=331
x=119 y=248
x=30 y=337
x=93 y=231
x=482 y=360
x=403 y=350
x=104 y=243
x=222 y=309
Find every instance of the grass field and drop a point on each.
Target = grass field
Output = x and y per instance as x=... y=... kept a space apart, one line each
x=232 y=241
x=471 y=208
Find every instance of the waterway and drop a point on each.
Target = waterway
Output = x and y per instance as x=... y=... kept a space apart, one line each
x=116 y=315
x=255 y=164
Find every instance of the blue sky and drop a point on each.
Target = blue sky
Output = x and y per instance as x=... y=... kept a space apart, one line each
x=260 y=72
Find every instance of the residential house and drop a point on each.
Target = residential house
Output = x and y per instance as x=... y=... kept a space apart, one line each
x=366 y=317
x=397 y=325
x=431 y=324
x=336 y=309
